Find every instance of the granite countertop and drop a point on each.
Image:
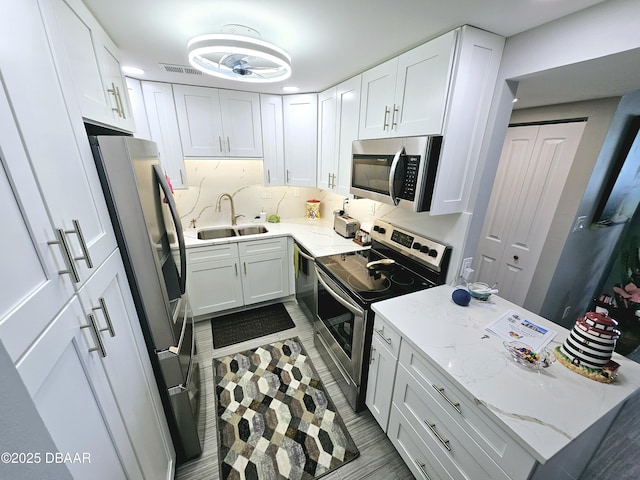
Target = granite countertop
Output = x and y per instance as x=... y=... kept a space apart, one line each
x=316 y=236
x=543 y=410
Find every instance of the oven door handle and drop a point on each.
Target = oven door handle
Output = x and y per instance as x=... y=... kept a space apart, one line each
x=392 y=175
x=349 y=306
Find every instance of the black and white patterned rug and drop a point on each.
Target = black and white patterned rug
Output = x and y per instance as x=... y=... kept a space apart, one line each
x=275 y=419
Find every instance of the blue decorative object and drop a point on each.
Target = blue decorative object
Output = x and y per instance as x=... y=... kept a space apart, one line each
x=461 y=296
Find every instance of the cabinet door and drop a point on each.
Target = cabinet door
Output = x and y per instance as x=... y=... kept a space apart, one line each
x=300 y=139
x=382 y=368
x=32 y=290
x=241 y=123
x=163 y=125
x=422 y=87
x=348 y=113
x=264 y=277
x=214 y=286
x=272 y=139
x=137 y=109
x=199 y=121
x=65 y=378
x=58 y=155
x=327 y=116
x=108 y=299
x=376 y=100
x=88 y=62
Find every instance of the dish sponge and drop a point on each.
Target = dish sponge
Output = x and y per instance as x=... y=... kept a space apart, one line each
x=274 y=219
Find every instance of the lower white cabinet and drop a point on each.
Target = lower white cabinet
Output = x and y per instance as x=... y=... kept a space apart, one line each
x=222 y=277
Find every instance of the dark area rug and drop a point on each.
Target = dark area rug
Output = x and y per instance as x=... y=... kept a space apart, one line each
x=250 y=324
x=275 y=419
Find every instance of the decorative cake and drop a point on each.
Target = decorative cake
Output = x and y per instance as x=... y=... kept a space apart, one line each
x=589 y=346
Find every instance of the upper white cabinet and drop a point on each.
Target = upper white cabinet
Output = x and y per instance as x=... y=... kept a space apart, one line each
x=338 y=114
x=272 y=139
x=90 y=63
x=300 y=117
x=163 y=128
x=137 y=109
x=218 y=123
x=407 y=94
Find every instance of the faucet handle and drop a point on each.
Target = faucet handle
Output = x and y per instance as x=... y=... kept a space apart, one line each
x=235 y=217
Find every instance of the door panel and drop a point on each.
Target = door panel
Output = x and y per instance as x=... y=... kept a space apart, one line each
x=533 y=169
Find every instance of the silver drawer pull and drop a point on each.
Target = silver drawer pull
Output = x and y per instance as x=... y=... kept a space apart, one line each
x=385 y=123
x=432 y=427
x=373 y=352
x=381 y=334
x=440 y=390
x=95 y=333
x=422 y=466
x=107 y=317
x=83 y=245
x=61 y=240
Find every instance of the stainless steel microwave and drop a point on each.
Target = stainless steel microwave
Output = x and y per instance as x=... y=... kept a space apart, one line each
x=397 y=171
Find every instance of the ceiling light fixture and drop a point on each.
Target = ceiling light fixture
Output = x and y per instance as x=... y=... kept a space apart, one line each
x=238 y=57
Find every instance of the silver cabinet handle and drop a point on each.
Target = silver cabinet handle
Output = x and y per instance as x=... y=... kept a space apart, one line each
x=245 y=267
x=381 y=334
x=95 y=333
x=329 y=181
x=385 y=123
x=432 y=427
x=422 y=466
x=268 y=176
x=236 y=266
x=220 y=142
x=372 y=359
x=122 y=112
x=181 y=177
x=440 y=390
x=394 y=124
x=288 y=176
x=228 y=145
x=61 y=240
x=115 y=91
x=103 y=306
x=83 y=245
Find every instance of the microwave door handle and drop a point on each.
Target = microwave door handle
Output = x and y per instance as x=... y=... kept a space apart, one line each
x=177 y=224
x=392 y=175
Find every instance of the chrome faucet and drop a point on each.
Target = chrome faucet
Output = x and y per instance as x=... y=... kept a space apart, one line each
x=233 y=210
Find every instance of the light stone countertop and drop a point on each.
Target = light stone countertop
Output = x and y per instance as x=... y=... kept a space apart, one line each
x=542 y=410
x=317 y=236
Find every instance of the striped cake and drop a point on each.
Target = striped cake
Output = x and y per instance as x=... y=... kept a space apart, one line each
x=592 y=340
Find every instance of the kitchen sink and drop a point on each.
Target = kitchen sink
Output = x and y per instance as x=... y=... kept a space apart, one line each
x=216 y=232
x=251 y=230
x=212 y=233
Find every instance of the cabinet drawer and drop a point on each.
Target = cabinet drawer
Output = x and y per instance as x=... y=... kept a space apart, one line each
x=389 y=337
x=435 y=427
x=419 y=457
x=483 y=430
x=263 y=246
x=212 y=253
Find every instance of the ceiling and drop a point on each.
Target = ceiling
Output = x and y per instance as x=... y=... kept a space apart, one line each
x=333 y=40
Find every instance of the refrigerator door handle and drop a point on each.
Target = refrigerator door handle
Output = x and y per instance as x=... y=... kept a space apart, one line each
x=176 y=350
x=178 y=226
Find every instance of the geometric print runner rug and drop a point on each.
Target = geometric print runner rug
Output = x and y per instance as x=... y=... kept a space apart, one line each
x=275 y=419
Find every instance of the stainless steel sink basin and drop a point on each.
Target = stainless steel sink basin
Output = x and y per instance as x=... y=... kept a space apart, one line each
x=216 y=232
x=251 y=230
x=212 y=233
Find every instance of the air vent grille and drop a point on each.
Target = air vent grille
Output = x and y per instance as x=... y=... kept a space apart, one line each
x=179 y=69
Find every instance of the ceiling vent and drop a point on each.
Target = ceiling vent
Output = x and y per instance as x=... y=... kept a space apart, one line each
x=180 y=69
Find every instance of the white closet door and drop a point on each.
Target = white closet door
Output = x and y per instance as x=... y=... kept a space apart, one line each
x=533 y=170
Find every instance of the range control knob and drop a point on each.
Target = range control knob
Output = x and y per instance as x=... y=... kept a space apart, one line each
x=424 y=249
x=380 y=230
x=433 y=253
x=416 y=246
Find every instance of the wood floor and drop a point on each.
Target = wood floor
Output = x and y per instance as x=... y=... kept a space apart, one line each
x=378 y=458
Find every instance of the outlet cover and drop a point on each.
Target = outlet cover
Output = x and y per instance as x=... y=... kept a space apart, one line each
x=466 y=264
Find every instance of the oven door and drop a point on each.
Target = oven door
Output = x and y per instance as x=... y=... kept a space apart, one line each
x=340 y=324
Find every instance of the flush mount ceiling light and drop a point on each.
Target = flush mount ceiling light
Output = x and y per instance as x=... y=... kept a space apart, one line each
x=239 y=57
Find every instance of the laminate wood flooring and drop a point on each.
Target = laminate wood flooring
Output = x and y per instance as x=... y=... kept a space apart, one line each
x=378 y=457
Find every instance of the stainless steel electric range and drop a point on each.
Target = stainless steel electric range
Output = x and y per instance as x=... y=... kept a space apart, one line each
x=398 y=262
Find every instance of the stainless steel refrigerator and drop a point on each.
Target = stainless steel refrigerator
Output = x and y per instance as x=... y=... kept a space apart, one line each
x=147 y=225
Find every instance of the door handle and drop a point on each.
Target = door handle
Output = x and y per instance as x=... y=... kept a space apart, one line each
x=71 y=269
x=103 y=306
x=95 y=333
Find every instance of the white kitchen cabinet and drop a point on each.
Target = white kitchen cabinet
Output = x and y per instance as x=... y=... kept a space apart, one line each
x=214 y=277
x=300 y=118
x=138 y=111
x=407 y=95
x=218 y=123
x=338 y=115
x=382 y=369
x=265 y=269
x=89 y=64
x=272 y=139
x=163 y=127
x=231 y=275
